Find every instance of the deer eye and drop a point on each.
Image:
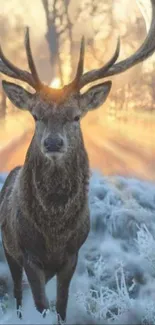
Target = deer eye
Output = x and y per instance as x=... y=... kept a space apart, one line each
x=35 y=117
x=76 y=118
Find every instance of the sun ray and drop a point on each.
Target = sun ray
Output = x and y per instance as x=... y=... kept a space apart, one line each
x=55 y=83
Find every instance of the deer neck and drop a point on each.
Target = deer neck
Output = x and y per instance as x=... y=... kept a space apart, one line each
x=48 y=189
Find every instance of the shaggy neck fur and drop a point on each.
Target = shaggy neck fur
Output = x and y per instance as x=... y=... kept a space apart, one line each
x=51 y=190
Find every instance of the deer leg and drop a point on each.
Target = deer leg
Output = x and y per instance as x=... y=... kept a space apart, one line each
x=36 y=278
x=16 y=269
x=63 y=282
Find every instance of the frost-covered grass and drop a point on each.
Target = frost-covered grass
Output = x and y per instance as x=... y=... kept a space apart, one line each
x=114 y=281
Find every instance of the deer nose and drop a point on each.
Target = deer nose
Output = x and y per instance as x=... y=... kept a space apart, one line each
x=53 y=144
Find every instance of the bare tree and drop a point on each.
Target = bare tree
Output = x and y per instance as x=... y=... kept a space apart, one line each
x=3 y=106
x=53 y=36
x=15 y=47
x=70 y=35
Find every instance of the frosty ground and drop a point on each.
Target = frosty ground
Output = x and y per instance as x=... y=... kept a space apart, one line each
x=114 y=281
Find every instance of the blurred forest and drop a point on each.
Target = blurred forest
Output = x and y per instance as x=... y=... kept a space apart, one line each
x=120 y=135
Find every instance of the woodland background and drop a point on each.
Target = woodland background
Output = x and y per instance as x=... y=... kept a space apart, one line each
x=120 y=136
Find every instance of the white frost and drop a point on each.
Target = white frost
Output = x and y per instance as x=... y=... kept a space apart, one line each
x=114 y=282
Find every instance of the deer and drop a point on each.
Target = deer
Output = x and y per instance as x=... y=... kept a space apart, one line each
x=44 y=206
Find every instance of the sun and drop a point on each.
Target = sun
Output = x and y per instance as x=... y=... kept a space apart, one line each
x=55 y=83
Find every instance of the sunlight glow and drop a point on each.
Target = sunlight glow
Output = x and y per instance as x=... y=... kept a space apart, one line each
x=55 y=83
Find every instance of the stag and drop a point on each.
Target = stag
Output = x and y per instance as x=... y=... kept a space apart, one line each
x=44 y=210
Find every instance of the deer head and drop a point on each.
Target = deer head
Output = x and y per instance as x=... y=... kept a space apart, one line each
x=57 y=112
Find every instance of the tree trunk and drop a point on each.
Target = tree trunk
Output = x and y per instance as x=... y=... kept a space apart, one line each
x=52 y=38
x=3 y=105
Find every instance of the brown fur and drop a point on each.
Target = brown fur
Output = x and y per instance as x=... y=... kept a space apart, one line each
x=44 y=204
x=45 y=216
x=44 y=210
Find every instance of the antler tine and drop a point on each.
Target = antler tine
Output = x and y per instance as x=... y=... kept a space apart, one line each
x=146 y=50
x=96 y=74
x=9 y=69
x=80 y=67
x=31 y=63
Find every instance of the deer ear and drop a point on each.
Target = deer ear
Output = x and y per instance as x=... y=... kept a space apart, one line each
x=18 y=95
x=95 y=96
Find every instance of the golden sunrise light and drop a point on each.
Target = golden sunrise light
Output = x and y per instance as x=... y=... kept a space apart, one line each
x=109 y=132
x=55 y=83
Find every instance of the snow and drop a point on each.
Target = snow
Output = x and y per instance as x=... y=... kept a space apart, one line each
x=114 y=282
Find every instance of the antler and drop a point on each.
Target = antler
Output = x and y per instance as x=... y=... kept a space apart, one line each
x=38 y=84
x=110 y=69
x=80 y=67
x=146 y=50
x=77 y=82
x=9 y=69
